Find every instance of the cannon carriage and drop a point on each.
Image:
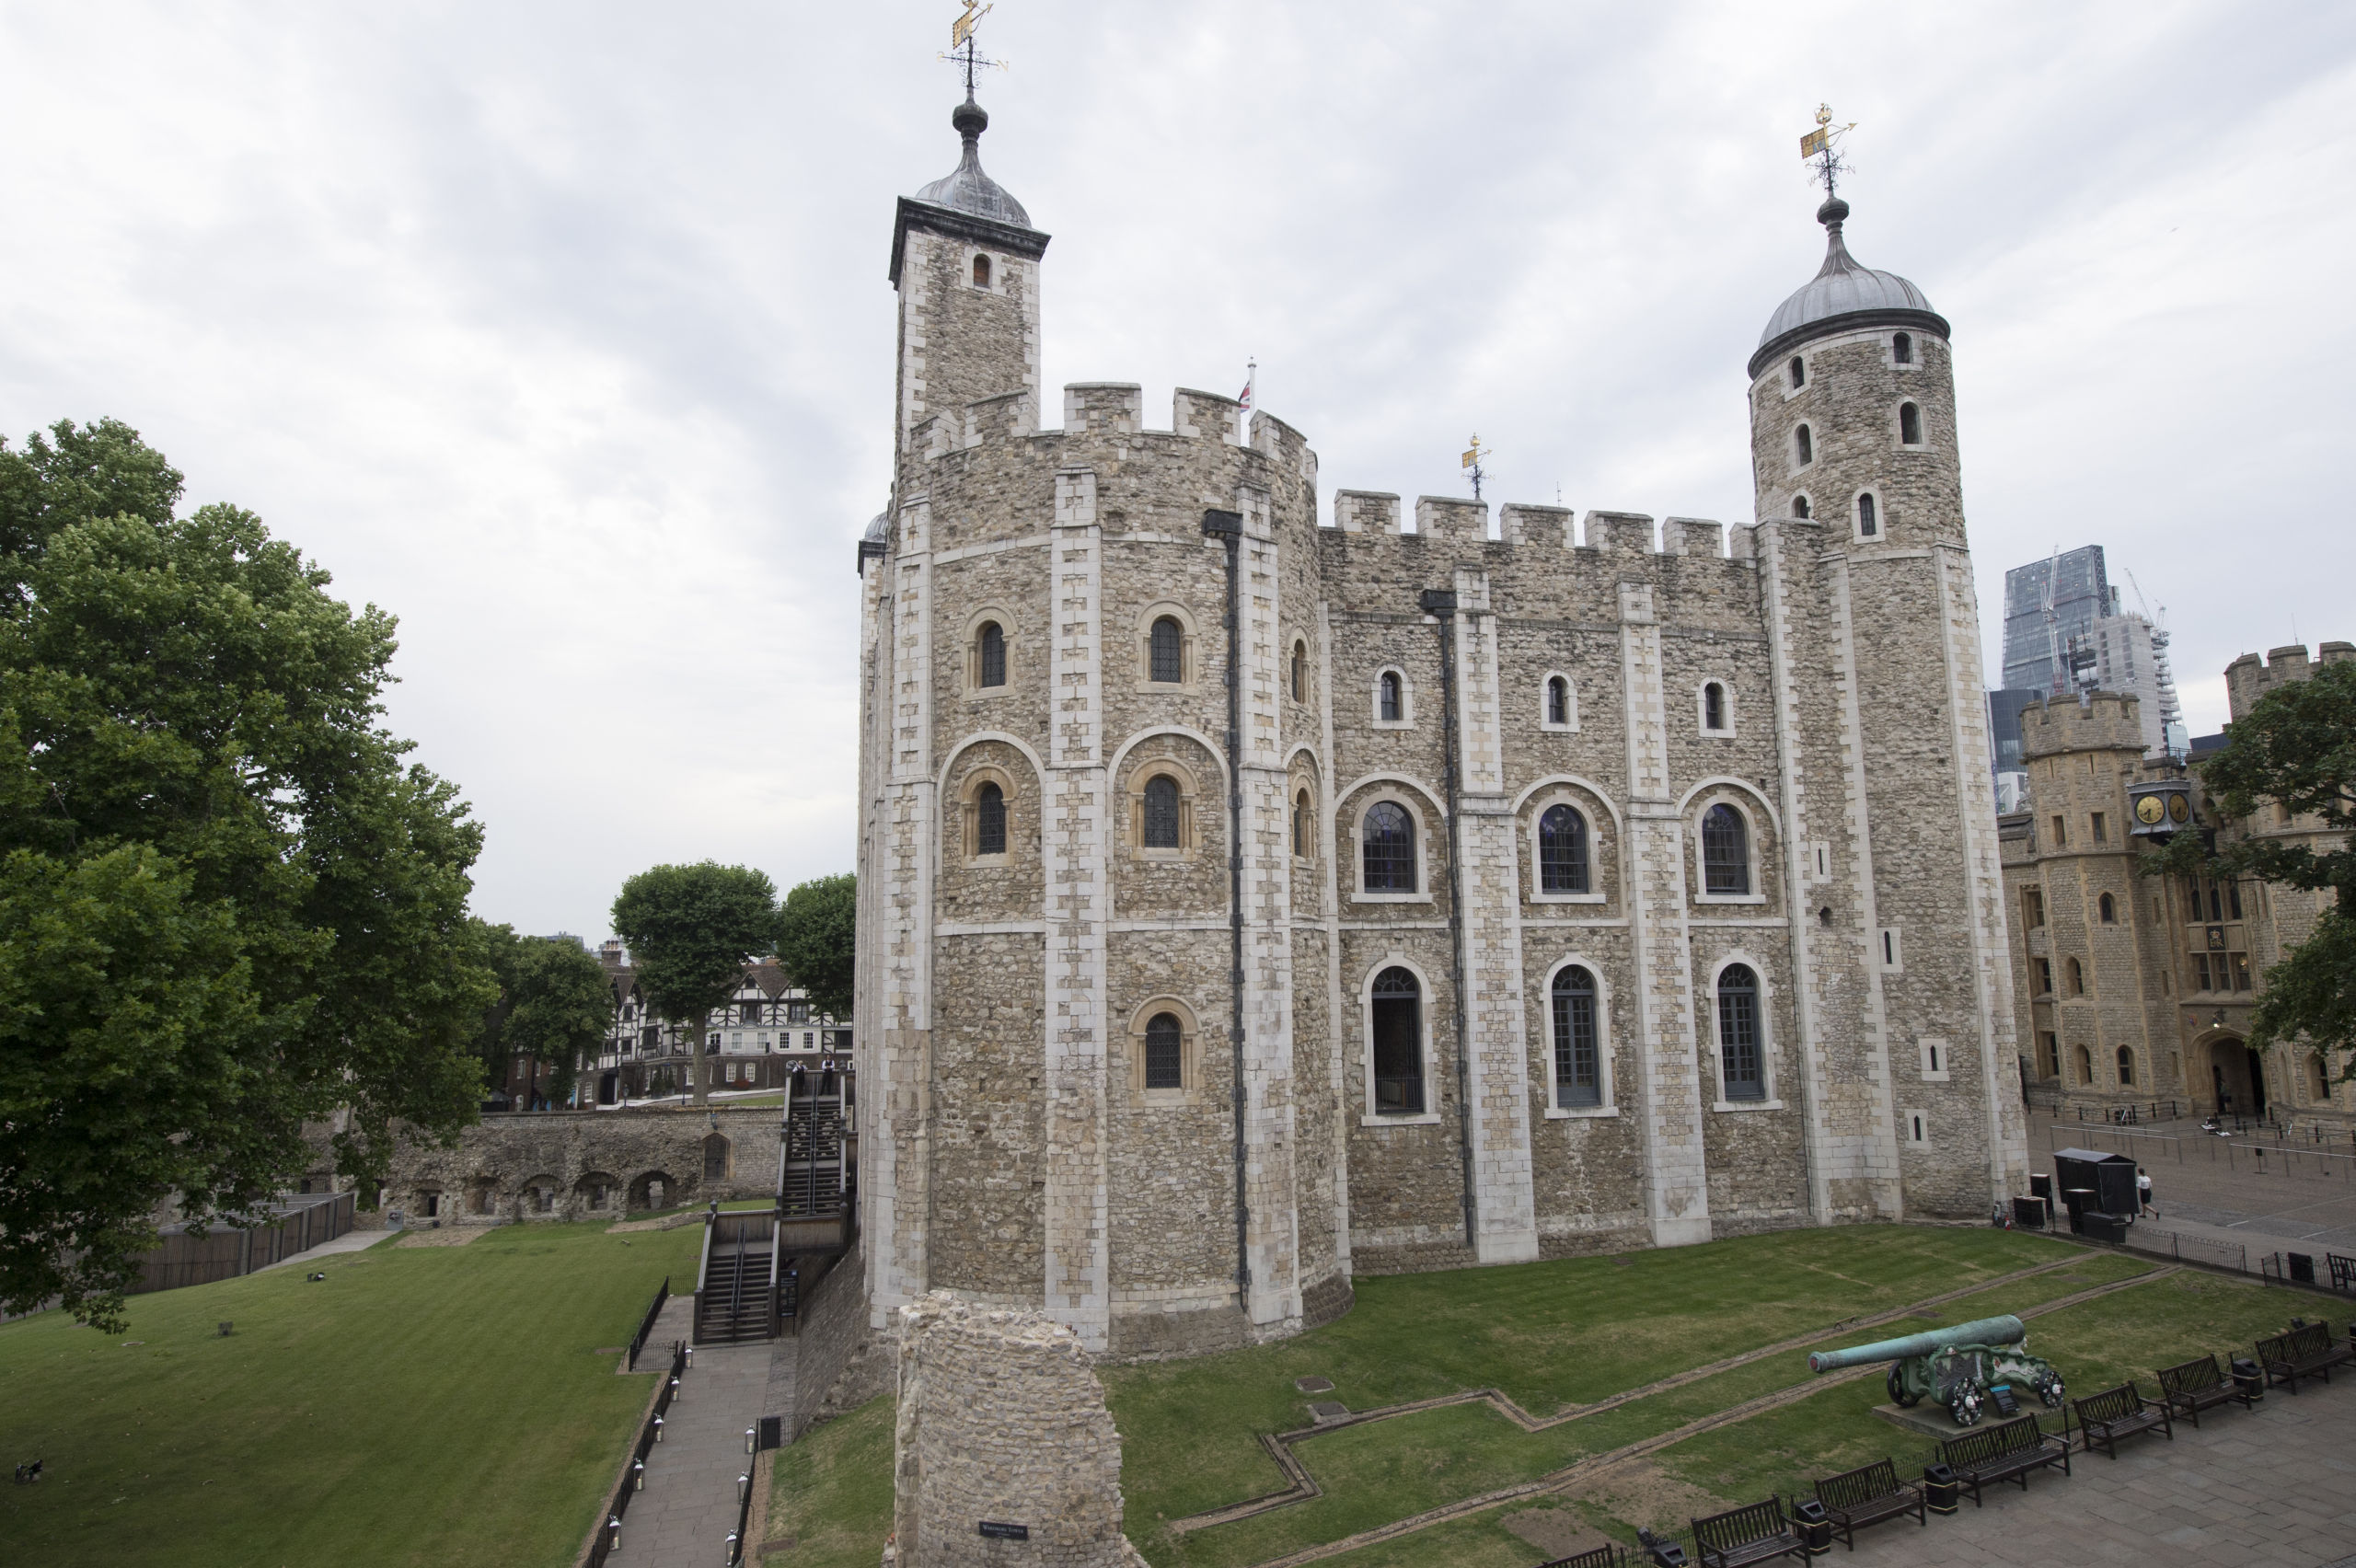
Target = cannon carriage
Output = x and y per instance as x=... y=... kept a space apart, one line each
x=1955 y=1367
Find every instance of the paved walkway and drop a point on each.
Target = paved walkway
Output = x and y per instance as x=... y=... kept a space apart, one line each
x=2222 y=1190
x=350 y=1241
x=684 y=1515
x=2274 y=1487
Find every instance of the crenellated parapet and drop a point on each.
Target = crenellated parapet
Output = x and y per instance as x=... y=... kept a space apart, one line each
x=2101 y=721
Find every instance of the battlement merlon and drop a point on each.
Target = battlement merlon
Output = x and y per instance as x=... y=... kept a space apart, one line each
x=2101 y=721
x=2249 y=677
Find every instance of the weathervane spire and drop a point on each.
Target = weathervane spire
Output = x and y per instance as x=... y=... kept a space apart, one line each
x=1818 y=144
x=962 y=52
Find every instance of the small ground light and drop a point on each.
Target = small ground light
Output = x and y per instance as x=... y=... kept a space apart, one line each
x=675 y=1390
x=748 y=1440
x=690 y=1355
x=744 y=1485
x=638 y=1476
x=658 y=1429
x=614 y=1532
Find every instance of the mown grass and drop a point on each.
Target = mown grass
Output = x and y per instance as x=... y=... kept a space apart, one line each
x=1548 y=1334
x=431 y=1405
x=831 y=1492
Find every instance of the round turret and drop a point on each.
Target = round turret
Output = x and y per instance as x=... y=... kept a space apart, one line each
x=1843 y=295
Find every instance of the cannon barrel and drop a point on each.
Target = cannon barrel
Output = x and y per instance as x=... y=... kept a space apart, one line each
x=2006 y=1330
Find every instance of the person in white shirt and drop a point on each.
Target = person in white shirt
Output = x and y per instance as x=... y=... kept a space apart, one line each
x=2143 y=1193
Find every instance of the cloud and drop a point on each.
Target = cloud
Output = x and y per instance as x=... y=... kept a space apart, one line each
x=561 y=330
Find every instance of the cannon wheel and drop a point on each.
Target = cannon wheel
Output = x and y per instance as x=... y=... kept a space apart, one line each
x=1897 y=1385
x=1970 y=1400
x=2049 y=1388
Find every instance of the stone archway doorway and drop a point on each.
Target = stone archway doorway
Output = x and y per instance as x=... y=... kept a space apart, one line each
x=2237 y=1077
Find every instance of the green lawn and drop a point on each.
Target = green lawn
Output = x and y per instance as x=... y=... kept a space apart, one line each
x=431 y=1405
x=831 y=1492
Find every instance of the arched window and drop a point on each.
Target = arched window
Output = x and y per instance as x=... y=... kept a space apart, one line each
x=1738 y=1053
x=1300 y=672
x=2077 y=978
x=1578 y=1072
x=993 y=654
x=1558 y=700
x=1301 y=824
x=1800 y=506
x=2318 y=1084
x=989 y=821
x=715 y=1158
x=2126 y=1067
x=1804 y=444
x=1169 y=650
x=1868 y=521
x=1165 y=1052
x=1901 y=349
x=1726 y=851
x=2110 y=910
x=1909 y=424
x=1562 y=851
x=1398 y=1043
x=1160 y=827
x=1390 y=842
x=1392 y=709
x=2085 y=1068
x=1799 y=369
x=1714 y=706
x=981 y=271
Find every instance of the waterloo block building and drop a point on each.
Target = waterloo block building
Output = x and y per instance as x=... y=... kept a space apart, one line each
x=2135 y=991
x=1257 y=891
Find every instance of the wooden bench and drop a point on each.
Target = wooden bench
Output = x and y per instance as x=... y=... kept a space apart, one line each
x=1867 y=1495
x=1752 y=1533
x=1604 y=1556
x=2191 y=1387
x=2305 y=1352
x=2005 y=1452
x=2119 y=1413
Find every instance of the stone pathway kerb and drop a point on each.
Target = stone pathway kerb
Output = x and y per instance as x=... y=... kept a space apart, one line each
x=684 y=1515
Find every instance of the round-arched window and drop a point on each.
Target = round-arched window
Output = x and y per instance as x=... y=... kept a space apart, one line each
x=1398 y=1017
x=1909 y=424
x=1391 y=708
x=1388 y=838
x=993 y=651
x=1578 y=1077
x=1169 y=646
x=1726 y=852
x=1165 y=1057
x=2126 y=1067
x=1160 y=825
x=1302 y=827
x=989 y=820
x=1804 y=445
x=1739 y=1058
x=1558 y=700
x=1562 y=851
x=1300 y=672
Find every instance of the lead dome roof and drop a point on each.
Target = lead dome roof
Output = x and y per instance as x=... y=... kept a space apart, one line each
x=967 y=189
x=1843 y=288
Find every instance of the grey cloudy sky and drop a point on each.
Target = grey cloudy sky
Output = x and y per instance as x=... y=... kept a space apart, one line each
x=561 y=330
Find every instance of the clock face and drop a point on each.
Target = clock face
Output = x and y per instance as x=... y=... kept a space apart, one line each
x=2180 y=807
x=2150 y=810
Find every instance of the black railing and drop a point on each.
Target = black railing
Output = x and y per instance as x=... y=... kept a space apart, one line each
x=646 y=1324
x=608 y=1530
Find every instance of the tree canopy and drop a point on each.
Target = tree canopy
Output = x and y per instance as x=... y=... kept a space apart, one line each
x=2295 y=747
x=817 y=939
x=226 y=905
x=555 y=1005
x=691 y=929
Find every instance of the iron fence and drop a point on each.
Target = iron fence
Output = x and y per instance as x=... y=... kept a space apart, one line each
x=608 y=1529
x=646 y=1324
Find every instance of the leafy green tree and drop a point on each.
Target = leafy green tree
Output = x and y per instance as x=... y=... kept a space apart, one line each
x=691 y=929
x=817 y=940
x=2295 y=747
x=227 y=905
x=559 y=1005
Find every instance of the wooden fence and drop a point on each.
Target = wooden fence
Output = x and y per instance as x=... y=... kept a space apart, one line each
x=304 y=1221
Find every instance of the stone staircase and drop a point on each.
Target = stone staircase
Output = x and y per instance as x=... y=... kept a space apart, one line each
x=734 y=1305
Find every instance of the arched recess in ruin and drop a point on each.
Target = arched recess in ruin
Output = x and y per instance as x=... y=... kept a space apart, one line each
x=654 y=1189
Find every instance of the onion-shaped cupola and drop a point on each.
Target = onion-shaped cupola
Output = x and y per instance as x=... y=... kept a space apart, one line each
x=1843 y=296
x=967 y=189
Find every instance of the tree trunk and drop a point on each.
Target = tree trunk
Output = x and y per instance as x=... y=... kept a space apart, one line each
x=695 y=1066
x=531 y=1080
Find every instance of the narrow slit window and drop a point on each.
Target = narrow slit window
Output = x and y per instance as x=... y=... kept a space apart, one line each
x=1300 y=672
x=1714 y=706
x=1726 y=852
x=1300 y=825
x=1901 y=349
x=1165 y=1055
x=1392 y=710
x=981 y=271
x=2126 y=1067
x=1805 y=444
x=1798 y=371
x=1168 y=652
x=1389 y=845
x=1160 y=828
x=1578 y=1078
x=993 y=660
x=1868 y=516
x=1800 y=507
x=1909 y=424
x=1562 y=851
x=1738 y=1033
x=989 y=821
x=2109 y=908
x=1558 y=700
x=1398 y=1043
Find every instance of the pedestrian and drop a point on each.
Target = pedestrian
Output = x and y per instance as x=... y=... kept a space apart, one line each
x=2143 y=1191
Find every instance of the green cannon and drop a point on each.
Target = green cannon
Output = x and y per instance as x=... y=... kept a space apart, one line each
x=1956 y=1367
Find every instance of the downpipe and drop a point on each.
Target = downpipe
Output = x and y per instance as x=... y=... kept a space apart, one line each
x=1228 y=528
